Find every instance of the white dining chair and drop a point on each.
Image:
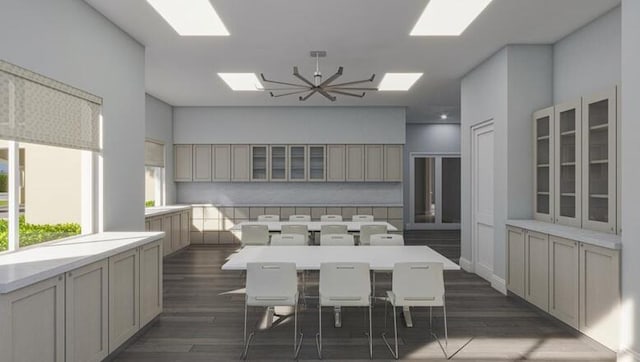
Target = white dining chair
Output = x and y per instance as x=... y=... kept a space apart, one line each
x=268 y=217
x=344 y=285
x=299 y=218
x=329 y=229
x=255 y=235
x=271 y=285
x=362 y=218
x=325 y=218
x=288 y=240
x=296 y=229
x=386 y=240
x=416 y=285
x=367 y=230
x=337 y=240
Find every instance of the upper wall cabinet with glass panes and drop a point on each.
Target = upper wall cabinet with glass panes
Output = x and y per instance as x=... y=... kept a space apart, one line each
x=286 y=163
x=575 y=168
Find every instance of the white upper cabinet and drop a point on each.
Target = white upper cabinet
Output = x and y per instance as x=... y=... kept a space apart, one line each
x=259 y=163
x=221 y=168
x=599 y=181
x=279 y=163
x=543 y=141
x=355 y=162
x=336 y=163
x=568 y=164
x=183 y=157
x=316 y=170
x=240 y=163
x=374 y=162
x=202 y=163
x=393 y=163
x=297 y=163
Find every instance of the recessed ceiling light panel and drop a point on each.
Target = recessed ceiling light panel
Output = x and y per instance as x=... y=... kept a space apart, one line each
x=190 y=17
x=242 y=81
x=398 y=81
x=448 y=17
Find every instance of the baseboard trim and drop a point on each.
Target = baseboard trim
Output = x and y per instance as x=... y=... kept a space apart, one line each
x=466 y=265
x=628 y=355
x=499 y=284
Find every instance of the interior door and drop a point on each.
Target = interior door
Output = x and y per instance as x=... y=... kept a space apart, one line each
x=482 y=199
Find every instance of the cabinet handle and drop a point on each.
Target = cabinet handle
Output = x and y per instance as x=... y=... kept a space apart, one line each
x=60 y=277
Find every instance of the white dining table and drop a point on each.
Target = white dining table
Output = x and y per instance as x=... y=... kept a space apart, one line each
x=379 y=258
x=276 y=226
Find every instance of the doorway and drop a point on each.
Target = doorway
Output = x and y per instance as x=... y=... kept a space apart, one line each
x=435 y=191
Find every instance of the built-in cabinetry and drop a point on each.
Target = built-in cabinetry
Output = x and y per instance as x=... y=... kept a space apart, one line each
x=560 y=270
x=174 y=221
x=293 y=163
x=575 y=163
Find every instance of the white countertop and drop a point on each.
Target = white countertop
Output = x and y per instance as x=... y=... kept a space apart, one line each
x=313 y=225
x=605 y=240
x=296 y=205
x=40 y=262
x=161 y=210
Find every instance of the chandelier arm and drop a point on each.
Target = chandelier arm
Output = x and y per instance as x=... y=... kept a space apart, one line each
x=346 y=93
x=297 y=75
x=355 y=82
x=313 y=91
x=332 y=78
x=283 y=83
x=288 y=93
x=326 y=95
x=350 y=88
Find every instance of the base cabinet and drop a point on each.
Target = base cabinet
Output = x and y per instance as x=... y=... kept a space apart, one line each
x=537 y=269
x=150 y=281
x=124 y=297
x=32 y=325
x=176 y=227
x=515 y=266
x=563 y=280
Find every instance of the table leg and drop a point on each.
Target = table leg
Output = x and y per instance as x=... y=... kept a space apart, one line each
x=407 y=317
x=337 y=314
x=271 y=311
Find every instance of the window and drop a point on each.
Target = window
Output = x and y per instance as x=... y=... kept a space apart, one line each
x=154 y=173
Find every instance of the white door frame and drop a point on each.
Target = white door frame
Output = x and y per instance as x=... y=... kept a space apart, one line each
x=474 y=242
x=438 y=225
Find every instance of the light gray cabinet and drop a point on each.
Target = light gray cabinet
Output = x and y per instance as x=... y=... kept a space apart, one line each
x=221 y=168
x=515 y=261
x=393 y=169
x=336 y=164
x=183 y=163
x=543 y=143
x=568 y=164
x=259 y=163
x=316 y=163
x=563 y=280
x=297 y=163
x=166 y=227
x=537 y=269
x=202 y=163
x=355 y=163
x=124 y=297
x=279 y=165
x=150 y=281
x=87 y=313
x=374 y=162
x=240 y=163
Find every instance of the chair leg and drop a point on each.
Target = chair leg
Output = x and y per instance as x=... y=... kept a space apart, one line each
x=370 y=333
x=319 y=335
x=431 y=319
x=296 y=345
x=394 y=351
x=446 y=333
x=373 y=284
x=246 y=341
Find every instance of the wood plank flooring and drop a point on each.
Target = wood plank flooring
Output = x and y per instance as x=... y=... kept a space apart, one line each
x=204 y=306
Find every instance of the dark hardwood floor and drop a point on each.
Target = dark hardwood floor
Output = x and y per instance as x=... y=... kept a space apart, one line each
x=203 y=315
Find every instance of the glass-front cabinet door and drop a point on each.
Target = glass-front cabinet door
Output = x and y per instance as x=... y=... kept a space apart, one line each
x=599 y=162
x=316 y=164
x=543 y=123
x=568 y=165
x=259 y=163
x=278 y=161
x=297 y=163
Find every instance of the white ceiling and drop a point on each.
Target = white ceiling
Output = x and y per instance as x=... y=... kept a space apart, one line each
x=364 y=36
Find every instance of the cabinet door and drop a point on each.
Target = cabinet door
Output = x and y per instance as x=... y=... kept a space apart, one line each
x=374 y=162
x=221 y=163
x=355 y=162
x=568 y=164
x=279 y=165
x=259 y=163
x=563 y=280
x=240 y=163
x=155 y=224
x=183 y=162
x=543 y=123
x=32 y=322
x=297 y=163
x=600 y=294
x=393 y=163
x=124 y=297
x=202 y=163
x=176 y=244
x=166 y=227
x=336 y=163
x=515 y=261
x=150 y=281
x=537 y=269
x=599 y=162
x=185 y=225
x=317 y=163
x=87 y=311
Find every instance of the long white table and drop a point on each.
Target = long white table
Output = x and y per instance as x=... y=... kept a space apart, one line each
x=353 y=226
x=380 y=258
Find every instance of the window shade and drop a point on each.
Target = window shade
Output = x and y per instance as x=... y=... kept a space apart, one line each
x=153 y=154
x=37 y=109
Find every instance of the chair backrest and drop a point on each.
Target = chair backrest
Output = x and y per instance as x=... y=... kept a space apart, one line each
x=418 y=284
x=299 y=218
x=386 y=240
x=333 y=229
x=296 y=229
x=288 y=239
x=269 y=283
x=344 y=284
x=330 y=218
x=362 y=218
x=255 y=235
x=337 y=240
x=367 y=230
x=268 y=217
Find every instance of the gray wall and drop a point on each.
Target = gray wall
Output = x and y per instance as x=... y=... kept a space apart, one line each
x=159 y=127
x=290 y=125
x=588 y=60
x=429 y=138
x=630 y=179
x=69 y=41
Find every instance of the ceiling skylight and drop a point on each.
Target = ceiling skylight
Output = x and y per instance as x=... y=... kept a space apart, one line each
x=190 y=17
x=242 y=81
x=448 y=17
x=398 y=81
